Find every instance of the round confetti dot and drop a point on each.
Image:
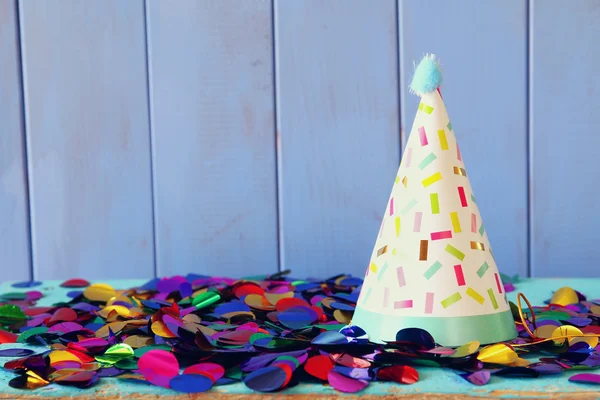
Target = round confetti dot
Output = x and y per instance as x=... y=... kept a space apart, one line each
x=266 y=379
x=192 y=383
x=26 y=284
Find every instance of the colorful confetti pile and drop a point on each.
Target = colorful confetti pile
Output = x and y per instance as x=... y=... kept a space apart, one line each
x=192 y=333
x=195 y=332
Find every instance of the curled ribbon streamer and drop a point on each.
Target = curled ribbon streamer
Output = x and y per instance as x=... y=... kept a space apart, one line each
x=524 y=321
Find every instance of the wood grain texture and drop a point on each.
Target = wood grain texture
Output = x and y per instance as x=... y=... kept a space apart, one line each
x=338 y=118
x=87 y=119
x=211 y=65
x=565 y=118
x=14 y=219
x=482 y=48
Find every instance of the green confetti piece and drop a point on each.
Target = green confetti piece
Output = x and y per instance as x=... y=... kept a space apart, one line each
x=448 y=301
x=382 y=271
x=449 y=125
x=473 y=198
x=257 y=336
x=234 y=373
x=455 y=252
x=330 y=327
x=435 y=267
x=435 y=203
x=10 y=314
x=221 y=327
x=143 y=350
x=205 y=299
x=481 y=230
x=482 y=270
x=30 y=333
x=407 y=208
x=426 y=161
x=128 y=363
x=288 y=358
x=116 y=353
x=14 y=296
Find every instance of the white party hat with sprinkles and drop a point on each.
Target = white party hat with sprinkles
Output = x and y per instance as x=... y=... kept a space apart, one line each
x=432 y=265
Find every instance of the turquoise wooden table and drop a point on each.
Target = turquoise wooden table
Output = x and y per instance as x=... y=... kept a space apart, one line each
x=434 y=383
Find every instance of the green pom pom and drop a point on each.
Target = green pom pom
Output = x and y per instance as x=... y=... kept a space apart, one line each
x=427 y=77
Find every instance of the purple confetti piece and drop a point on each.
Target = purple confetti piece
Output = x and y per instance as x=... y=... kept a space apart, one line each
x=16 y=352
x=345 y=384
x=74 y=293
x=168 y=285
x=266 y=379
x=185 y=289
x=478 y=378
x=578 y=321
x=191 y=383
x=34 y=295
x=356 y=373
x=65 y=327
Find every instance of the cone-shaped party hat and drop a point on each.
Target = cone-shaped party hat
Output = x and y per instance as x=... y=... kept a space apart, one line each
x=432 y=266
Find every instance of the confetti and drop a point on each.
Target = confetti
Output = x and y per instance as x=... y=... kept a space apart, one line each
x=431 y=179
x=423 y=136
x=417 y=223
x=443 y=140
x=435 y=204
x=426 y=161
x=441 y=235
x=455 y=222
x=461 y=195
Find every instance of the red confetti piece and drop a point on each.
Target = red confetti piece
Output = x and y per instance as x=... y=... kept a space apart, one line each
x=290 y=302
x=319 y=366
x=75 y=283
x=214 y=371
x=399 y=373
x=7 y=337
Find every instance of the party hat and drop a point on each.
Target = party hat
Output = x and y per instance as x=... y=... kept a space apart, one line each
x=432 y=265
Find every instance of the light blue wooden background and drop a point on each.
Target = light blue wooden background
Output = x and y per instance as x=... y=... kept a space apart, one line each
x=237 y=137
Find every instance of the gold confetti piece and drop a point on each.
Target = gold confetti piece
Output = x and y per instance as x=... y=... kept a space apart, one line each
x=521 y=362
x=460 y=171
x=137 y=341
x=477 y=246
x=259 y=302
x=129 y=300
x=455 y=222
x=405 y=181
x=343 y=317
x=564 y=296
x=160 y=329
x=99 y=292
x=423 y=250
x=121 y=311
x=565 y=330
x=275 y=297
x=373 y=267
x=238 y=316
x=466 y=349
x=381 y=251
x=544 y=331
x=497 y=354
x=115 y=327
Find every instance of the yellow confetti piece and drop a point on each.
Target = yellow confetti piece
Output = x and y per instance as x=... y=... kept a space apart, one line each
x=343 y=317
x=475 y=295
x=497 y=354
x=435 y=203
x=57 y=356
x=455 y=222
x=564 y=296
x=373 y=267
x=448 y=301
x=397 y=179
x=99 y=292
x=431 y=179
x=521 y=362
x=137 y=341
x=115 y=327
x=397 y=222
x=160 y=329
x=443 y=140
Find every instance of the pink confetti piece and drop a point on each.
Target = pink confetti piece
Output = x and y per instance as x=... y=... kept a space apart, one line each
x=417 y=224
x=403 y=304
x=498 y=285
x=408 y=157
x=386 y=297
x=428 y=303
x=400 y=274
x=391 y=206
x=441 y=235
x=463 y=198
x=460 y=277
x=458 y=153
x=473 y=223
x=423 y=136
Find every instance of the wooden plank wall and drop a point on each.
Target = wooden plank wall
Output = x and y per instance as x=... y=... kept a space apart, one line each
x=242 y=137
